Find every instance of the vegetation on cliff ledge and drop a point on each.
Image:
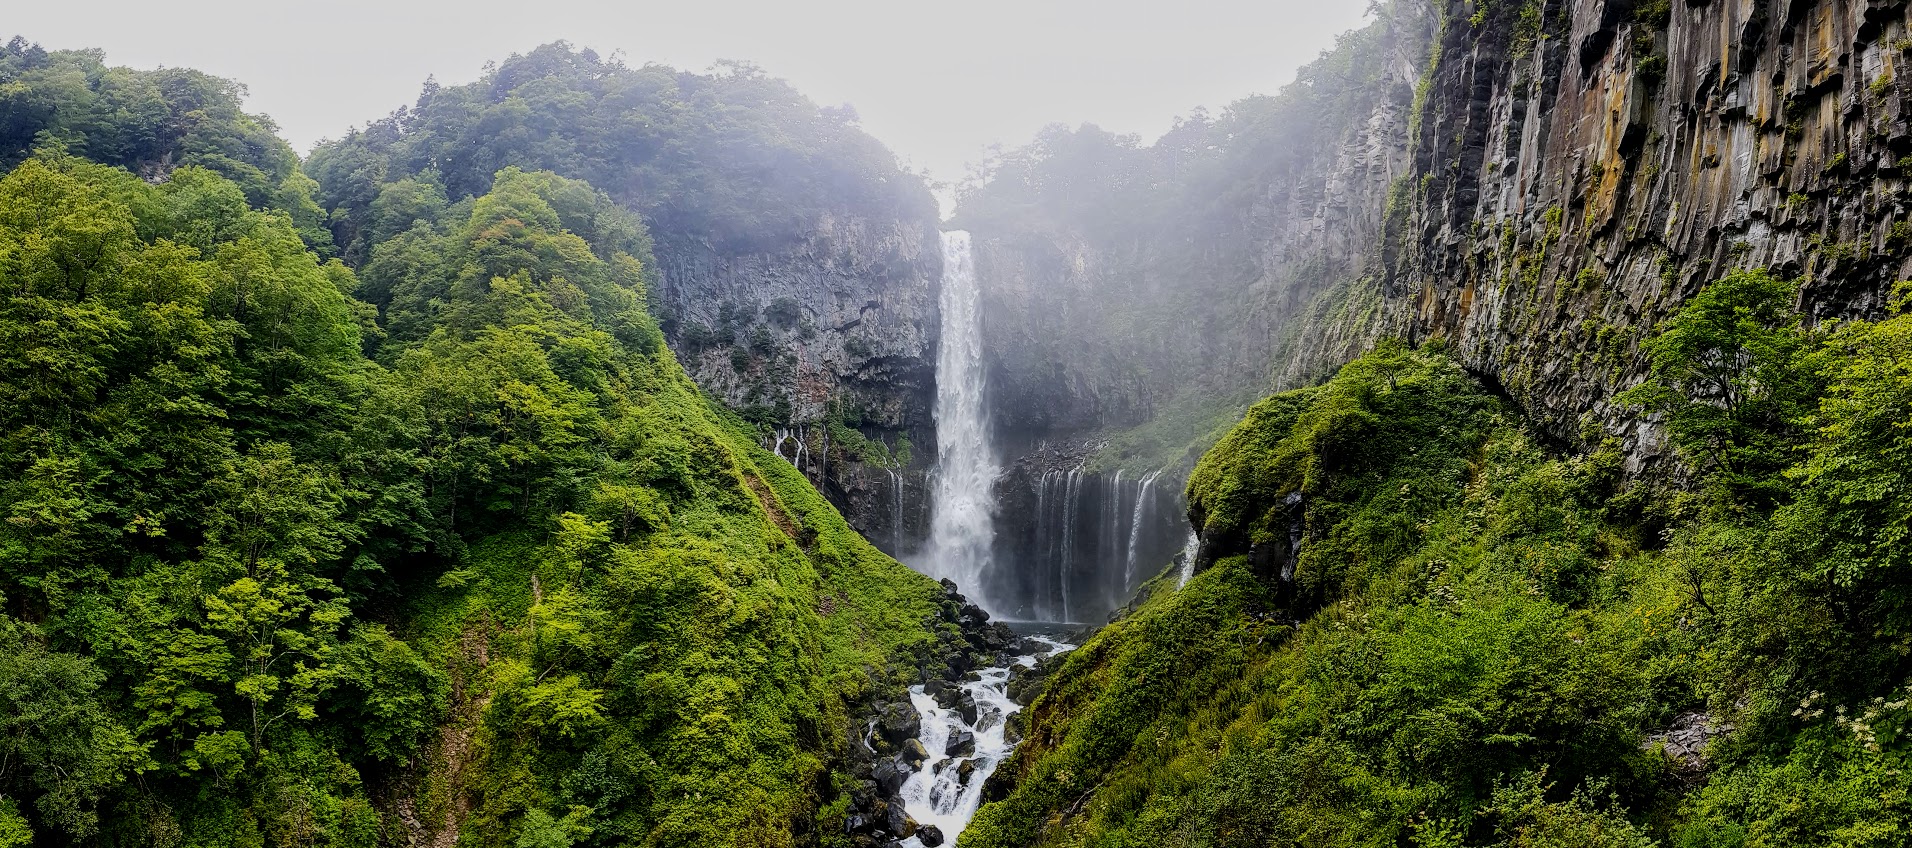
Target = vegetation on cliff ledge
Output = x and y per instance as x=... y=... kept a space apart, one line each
x=1483 y=644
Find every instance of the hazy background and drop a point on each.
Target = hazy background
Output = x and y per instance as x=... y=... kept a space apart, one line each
x=937 y=83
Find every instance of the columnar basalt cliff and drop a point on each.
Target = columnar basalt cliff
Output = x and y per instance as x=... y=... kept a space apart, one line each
x=1536 y=182
x=1586 y=166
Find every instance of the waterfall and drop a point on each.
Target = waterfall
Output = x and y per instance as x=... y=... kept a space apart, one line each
x=1141 y=514
x=1189 y=552
x=1070 y=496
x=962 y=520
x=1113 y=535
x=896 y=512
x=799 y=452
x=948 y=787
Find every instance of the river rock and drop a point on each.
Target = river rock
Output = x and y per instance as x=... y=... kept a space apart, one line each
x=930 y=835
x=891 y=775
x=914 y=753
x=899 y=722
x=900 y=823
x=962 y=743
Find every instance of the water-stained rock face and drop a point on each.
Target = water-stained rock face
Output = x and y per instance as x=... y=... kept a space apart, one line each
x=844 y=315
x=1578 y=187
x=829 y=333
x=1535 y=182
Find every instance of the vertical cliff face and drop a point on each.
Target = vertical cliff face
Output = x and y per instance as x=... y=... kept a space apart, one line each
x=1126 y=280
x=1535 y=182
x=839 y=321
x=828 y=337
x=1586 y=165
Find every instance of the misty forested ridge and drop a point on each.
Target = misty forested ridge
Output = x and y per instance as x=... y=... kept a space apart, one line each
x=1497 y=437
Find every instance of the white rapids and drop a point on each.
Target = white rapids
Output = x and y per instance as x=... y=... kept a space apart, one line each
x=937 y=794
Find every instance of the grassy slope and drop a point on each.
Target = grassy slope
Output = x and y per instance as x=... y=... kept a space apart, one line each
x=750 y=622
x=1465 y=626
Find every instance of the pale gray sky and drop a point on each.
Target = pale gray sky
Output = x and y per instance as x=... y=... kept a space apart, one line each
x=938 y=83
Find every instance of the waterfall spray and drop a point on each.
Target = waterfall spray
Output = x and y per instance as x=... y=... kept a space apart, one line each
x=962 y=520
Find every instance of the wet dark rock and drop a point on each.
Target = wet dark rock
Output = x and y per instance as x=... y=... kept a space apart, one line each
x=962 y=743
x=898 y=723
x=914 y=753
x=930 y=835
x=890 y=776
x=900 y=824
x=966 y=707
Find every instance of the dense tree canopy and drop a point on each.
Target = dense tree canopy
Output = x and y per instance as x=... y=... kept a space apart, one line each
x=149 y=122
x=735 y=157
x=265 y=544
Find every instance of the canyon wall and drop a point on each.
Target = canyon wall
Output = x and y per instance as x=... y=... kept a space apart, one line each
x=1535 y=183
x=828 y=338
x=1584 y=166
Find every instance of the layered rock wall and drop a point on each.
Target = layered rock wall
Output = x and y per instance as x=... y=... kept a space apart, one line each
x=830 y=340
x=1585 y=166
x=1535 y=182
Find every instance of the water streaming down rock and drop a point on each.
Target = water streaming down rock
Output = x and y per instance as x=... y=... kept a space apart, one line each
x=1141 y=514
x=946 y=789
x=1074 y=546
x=1190 y=550
x=896 y=511
x=963 y=508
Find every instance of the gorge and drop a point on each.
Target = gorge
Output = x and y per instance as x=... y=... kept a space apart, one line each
x=1496 y=437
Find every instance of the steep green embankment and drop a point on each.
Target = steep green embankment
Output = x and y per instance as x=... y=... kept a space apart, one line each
x=279 y=567
x=1485 y=645
x=796 y=260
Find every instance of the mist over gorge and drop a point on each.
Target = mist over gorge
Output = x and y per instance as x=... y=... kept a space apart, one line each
x=1494 y=437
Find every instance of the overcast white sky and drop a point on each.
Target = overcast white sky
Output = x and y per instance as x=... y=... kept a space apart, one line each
x=938 y=83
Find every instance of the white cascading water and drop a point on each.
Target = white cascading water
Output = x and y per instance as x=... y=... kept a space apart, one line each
x=1189 y=552
x=962 y=519
x=938 y=794
x=1142 y=505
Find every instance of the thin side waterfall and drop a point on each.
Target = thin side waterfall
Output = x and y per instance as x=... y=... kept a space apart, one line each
x=896 y=511
x=1065 y=563
x=1142 y=504
x=1189 y=552
x=962 y=517
x=1113 y=533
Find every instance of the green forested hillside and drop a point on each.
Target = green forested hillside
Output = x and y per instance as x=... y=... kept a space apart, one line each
x=276 y=571
x=149 y=122
x=735 y=158
x=1484 y=645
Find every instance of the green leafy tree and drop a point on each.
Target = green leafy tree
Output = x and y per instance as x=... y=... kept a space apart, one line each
x=1734 y=381
x=60 y=747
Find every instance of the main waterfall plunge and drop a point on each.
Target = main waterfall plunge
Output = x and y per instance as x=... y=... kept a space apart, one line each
x=1047 y=541
x=962 y=511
